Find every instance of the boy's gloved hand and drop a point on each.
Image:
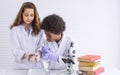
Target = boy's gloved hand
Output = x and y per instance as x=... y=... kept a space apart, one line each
x=45 y=50
x=48 y=54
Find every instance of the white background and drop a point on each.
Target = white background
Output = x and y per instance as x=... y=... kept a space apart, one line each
x=94 y=25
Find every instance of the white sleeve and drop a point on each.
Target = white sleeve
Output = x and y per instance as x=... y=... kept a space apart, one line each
x=40 y=44
x=60 y=64
x=41 y=41
x=66 y=52
x=15 y=43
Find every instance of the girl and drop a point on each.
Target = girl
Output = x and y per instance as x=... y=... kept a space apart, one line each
x=25 y=37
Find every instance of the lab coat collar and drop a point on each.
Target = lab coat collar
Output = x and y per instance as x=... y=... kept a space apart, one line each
x=59 y=41
x=30 y=28
x=25 y=31
x=58 y=46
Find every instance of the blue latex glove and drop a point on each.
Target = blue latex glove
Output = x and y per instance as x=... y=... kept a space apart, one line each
x=48 y=54
x=45 y=50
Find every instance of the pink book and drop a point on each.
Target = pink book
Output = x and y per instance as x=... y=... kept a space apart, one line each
x=89 y=58
x=96 y=72
x=99 y=70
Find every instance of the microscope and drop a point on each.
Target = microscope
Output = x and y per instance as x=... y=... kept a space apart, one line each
x=69 y=60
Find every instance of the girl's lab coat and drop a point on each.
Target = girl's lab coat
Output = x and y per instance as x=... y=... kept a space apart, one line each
x=61 y=48
x=22 y=42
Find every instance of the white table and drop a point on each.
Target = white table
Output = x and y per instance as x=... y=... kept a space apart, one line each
x=50 y=72
x=13 y=72
x=108 y=71
x=111 y=71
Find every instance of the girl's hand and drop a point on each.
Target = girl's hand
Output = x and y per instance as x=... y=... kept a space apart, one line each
x=32 y=58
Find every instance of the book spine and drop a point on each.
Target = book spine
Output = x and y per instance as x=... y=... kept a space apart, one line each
x=84 y=68
x=89 y=64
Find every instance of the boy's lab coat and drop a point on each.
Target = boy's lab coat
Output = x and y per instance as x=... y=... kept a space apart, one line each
x=24 y=43
x=61 y=50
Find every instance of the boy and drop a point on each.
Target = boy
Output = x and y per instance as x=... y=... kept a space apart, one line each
x=57 y=45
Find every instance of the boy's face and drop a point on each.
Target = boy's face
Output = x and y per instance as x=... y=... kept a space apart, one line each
x=52 y=37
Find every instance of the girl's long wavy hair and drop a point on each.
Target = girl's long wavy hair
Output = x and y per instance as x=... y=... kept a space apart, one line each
x=36 y=24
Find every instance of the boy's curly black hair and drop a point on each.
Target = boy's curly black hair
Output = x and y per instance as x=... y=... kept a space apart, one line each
x=54 y=24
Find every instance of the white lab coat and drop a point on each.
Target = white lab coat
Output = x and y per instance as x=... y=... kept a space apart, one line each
x=25 y=43
x=61 y=50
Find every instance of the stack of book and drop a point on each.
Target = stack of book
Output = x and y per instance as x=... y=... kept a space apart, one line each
x=90 y=64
